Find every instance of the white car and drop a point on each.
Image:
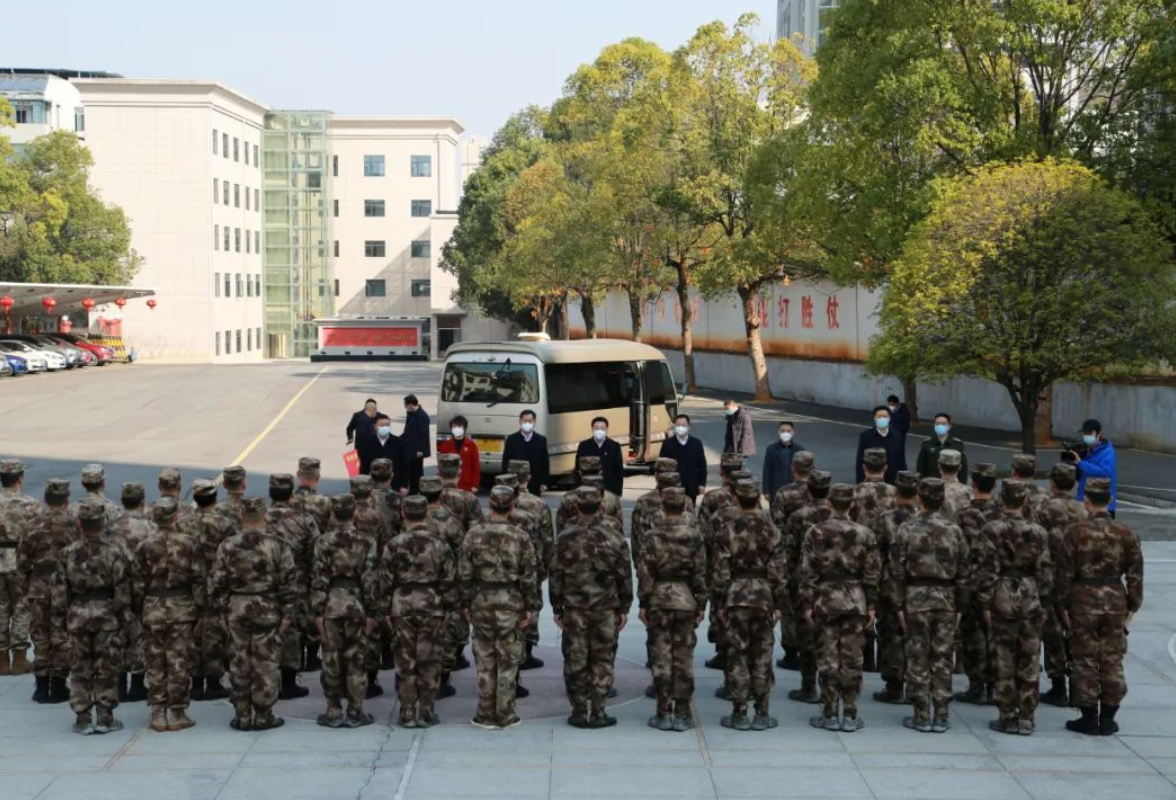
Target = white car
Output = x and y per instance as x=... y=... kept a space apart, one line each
x=39 y=360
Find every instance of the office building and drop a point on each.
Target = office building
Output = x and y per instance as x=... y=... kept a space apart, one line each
x=805 y=19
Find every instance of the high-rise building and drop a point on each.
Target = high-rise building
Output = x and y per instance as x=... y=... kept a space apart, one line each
x=805 y=19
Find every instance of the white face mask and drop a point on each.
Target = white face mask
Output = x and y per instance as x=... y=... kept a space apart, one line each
x=681 y=430
x=785 y=437
x=527 y=427
x=458 y=432
x=599 y=434
x=383 y=432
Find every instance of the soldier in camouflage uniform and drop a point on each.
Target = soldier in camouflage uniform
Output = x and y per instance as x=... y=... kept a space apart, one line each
x=373 y=525
x=94 y=585
x=1025 y=469
x=170 y=582
x=307 y=497
x=929 y=576
x=710 y=506
x=672 y=592
x=419 y=575
x=1056 y=515
x=1015 y=572
x=610 y=504
x=94 y=484
x=500 y=595
x=462 y=503
x=789 y=498
x=211 y=635
x=299 y=531
x=38 y=560
x=444 y=524
x=171 y=484
x=591 y=591
x=568 y=510
x=233 y=479
x=468 y=510
x=956 y=495
x=975 y=642
x=17 y=511
x=891 y=655
x=839 y=570
x=872 y=498
x=1097 y=557
x=800 y=523
x=647 y=507
x=528 y=522
x=344 y=602
x=130 y=530
x=255 y=583
x=749 y=578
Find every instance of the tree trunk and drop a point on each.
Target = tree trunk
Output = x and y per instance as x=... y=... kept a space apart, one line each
x=1045 y=417
x=910 y=396
x=755 y=347
x=565 y=323
x=542 y=315
x=588 y=311
x=1027 y=413
x=687 y=326
x=636 y=315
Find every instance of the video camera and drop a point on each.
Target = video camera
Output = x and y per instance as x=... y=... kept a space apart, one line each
x=1073 y=449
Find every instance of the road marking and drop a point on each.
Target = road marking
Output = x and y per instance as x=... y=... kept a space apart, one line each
x=406 y=776
x=244 y=454
x=1172 y=648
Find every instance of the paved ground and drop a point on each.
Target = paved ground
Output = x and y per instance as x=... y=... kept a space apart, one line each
x=140 y=418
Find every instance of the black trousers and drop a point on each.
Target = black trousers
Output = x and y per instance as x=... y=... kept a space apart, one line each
x=416 y=469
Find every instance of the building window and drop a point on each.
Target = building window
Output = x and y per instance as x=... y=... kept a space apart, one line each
x=246 y=149
x=216 y=152
x=373 y=249
x=225 y=145
x=256 y=160
x=257 y=199
x=373 y=208
x=373 y=166
x=421 y=288
x=80 y=119
x=237 y=248
x=257 y=286
x=248 y=243
x=249 y=339
x=336 y=248
x=257 y=337
x=257 y=241
x=216 y=283
x=314 y=180
x=335 y=207
x=236 y=154
x=422 y=208
x=238 y=340
x=334 y=166
x=336 y=287
x=375 y=288
x=215 y=191
x=228 y=343
x=422 y=166
x=218 y=344
x=422 y=248
x=237 y=195
x=228 y=283
x=216 y=237
x=240 y=286
x=246 y=198
x=225 y=186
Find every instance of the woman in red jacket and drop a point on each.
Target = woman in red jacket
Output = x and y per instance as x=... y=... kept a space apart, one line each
x=470 y=478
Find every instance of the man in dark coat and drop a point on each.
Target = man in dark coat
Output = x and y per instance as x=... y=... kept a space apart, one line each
x=382 y=443
x=882 y=435
x=416 y=440
x=361 y=423
x=609 y=452
x=900 y=415
x=527 y=445
x=778 y=460
x=690 y=455
x=740 y=437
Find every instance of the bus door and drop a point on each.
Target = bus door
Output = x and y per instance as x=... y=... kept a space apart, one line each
x=634 y=389
x=661 y=404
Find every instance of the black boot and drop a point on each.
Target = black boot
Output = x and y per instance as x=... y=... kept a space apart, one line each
x=137 y=692
x=213 y=690
x=58 y=690
x=374 y=689
x=387 y=661
x=446 y=688
x=1088 y=724
x=122 y=686
x=790 y=661
x=1056 y=696
x=196 y=693
x=41 y=692
x=530 y=662
x=460 y=661
x=1106 y=721
x=716 y=662
x=311 y=661
x=291 y=690
x=520 y=690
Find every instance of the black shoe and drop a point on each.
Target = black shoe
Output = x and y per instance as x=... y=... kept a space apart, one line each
x=781 y=662
x=290 y=689
x=1087 y=724
x=1106 y=721
x=122 y=687
x=892 y=694
x=445 y=690
x=1057 y=695
x=790 y=661
x=723 y=693
x=374 y=689
x=601 y=720
x=522 y=691
x=650 y=692
x=196 y=693
x=387 y=660
x=611 y=693
x=530 y=662
x=312 y=662
x=41 y=692
x=716 y=662
x=58 y=690
x=137 y=692
x=461 y=662
x=213 y=690
x=578 y=719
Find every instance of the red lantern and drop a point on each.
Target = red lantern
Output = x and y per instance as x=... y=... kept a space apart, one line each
x=120 y=302
x=151 y=304
x=88 y=304
x=49 y=303
x=6 y=303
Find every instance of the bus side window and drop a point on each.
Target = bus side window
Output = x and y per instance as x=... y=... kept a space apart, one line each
x=655 y=382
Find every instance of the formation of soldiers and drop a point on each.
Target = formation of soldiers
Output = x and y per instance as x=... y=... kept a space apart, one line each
x=133 y=602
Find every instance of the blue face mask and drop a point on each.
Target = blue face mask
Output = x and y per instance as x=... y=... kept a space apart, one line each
x=941 y=430
x=882 y=423
x=1089 y=439
x=730 y=412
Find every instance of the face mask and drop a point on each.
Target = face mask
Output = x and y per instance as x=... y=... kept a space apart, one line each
x=730 y=412
x=527 y=427
x=882 y=423
x=599 y=435
x=1089 y=439
x=785 y=437
x=681 y=430
x=458 y=433
x=894 y=408
x=384 y=432
x=941 y=430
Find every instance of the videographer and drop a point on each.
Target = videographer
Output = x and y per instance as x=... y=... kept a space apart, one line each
x=1095 y=459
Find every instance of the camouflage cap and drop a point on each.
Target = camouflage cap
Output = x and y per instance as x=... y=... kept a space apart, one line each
x=1062 y=472
x=841 y=493
x=950 y=458
x=233 y=476
x=665 y=465
x=415 y=507
x=507 y=479
x=309 y=466
x=170 y=478
x=593 y=481
x=93 y=473
x=394 y=500
x=729 y=462
x=803 y=462
x=674 y=498
x=875 y=458
x=57 y=488
x=11 y=467
x=344 y=503
x=590 y=464
x=747 y=489
x=449 y=465
x=501 y=498
x=362 y=485
x=252 y=509
x=907 y=483
x=520 y=467
x=742 y=475
x=587 y=498
x=819 y=479
x=932 y=489
x=668 y=480
x=432 y=487
x=1098 y=489
x=1014 y=492
x=984 y=470
x=1025 y=463
x=133 y=491
x=202 y=487
x=165 y=510
x=381 y=469
x=282 y=480
x=91 y=509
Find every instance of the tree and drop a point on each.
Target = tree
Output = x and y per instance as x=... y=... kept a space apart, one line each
x=1027 y=274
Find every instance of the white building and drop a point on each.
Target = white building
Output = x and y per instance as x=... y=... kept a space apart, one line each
x=805 y=19
x=42 y=102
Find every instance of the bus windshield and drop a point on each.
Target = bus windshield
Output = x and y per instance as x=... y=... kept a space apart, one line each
x=490 y=383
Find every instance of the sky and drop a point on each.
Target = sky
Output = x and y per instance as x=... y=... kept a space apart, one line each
x=473 y=60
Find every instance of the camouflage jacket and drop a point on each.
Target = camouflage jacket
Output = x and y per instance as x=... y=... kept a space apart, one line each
x=372 y=524
x=886 y=533
x=210 y=529
x=299 y=531
x=539 y=509
x=466 y=507
x=788 y=500
x=169 y=577
x=839 y=568
x=610 y=506
x=799 y=524
x=14 y=521
x=254 y=579
x=38 y=556
x=590 y=570
x=94 y=585
x=442 y=522
x=1038 y=497
x=344 y=576
x=672 y=571
x=114 y=511
x=186 y=510
x=749 y=569
x=230 y=507
x=1014 y=568
x=1096 y=556
x=929 y=565
x=130 y=531
x=711 y=504
x=956 y=496
x=533 y=527
x=18 y=511
x=498 y=569
x=871 y=499
x=318 y=506
x=647 y=513
x=419 y=572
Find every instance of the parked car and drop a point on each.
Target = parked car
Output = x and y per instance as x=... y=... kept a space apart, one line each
x=53 y=360
x=36 y=362
x=73 y=355
x=103 y=353
x=19 y=365
x=5 y=368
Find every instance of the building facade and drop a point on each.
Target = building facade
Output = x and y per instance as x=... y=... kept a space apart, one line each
x=805 y=19
x=42 y=102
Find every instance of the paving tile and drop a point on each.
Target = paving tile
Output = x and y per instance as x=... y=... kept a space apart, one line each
x=184 y=785
x=25 y=787
x=364 y=759
x=1150 y=746
x=906 y=741
x=791 y=782
x=505 y=781
x=1132 y=765
x=950 y=761
x=627 y=758
x=300 y=784
x=18 y=765
x=797 y=741
x=175 y=761
x=938 y=783
x=315 y=739
x=436 y=756
x=1067 y=786
x=649 y=781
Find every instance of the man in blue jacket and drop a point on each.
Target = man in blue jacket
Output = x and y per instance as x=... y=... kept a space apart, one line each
x=1098 y=462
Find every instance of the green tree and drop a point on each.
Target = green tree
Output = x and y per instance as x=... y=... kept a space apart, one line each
x=1027 y=274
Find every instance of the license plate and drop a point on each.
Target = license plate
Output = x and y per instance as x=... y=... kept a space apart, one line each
x=489 y=445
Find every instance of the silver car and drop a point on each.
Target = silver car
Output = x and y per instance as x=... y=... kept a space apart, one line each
x=5 y=368
x=73 y=355
x=38 y=360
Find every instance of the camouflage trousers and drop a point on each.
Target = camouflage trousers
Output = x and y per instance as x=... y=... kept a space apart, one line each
x=930 y=637
x=806 y=644
x=788 y=634
x=134 y=659
x=977 y=648
x=498 y=650
x=420 y=647
x=531 y=632
x=751 y=636
x=1017 y=665
x=50 y=639
x=1098 y=645
x=291 y=657
x=1057 y=647
x=457 y=631
x=168 y=653
x=891 y=652
x=382 y=636
x=715 y=629
x=95 y=667
x=210 y=646
x=344 y=673
x=839 y=662
x=14 y=615
x=672 y=639
x=590 y=653
x=254 y=668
